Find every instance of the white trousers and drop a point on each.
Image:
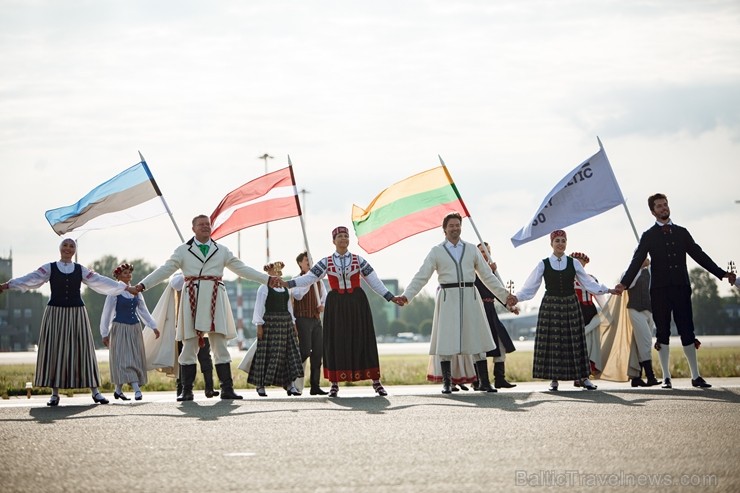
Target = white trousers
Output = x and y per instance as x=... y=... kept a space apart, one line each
x=642 y=329
x=190 y=348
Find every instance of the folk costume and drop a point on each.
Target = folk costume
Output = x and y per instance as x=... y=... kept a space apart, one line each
x=670 y=289
x=504 y=344
x=121 y=319
x=459 y=325
x=350 y=347
x=641 y=319
x=277 y=360
x=560 y=346
x=306 y=303
x=66 y=354
x=204 y=306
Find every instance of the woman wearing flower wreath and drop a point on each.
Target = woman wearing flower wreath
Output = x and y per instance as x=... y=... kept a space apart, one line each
x=120 y=327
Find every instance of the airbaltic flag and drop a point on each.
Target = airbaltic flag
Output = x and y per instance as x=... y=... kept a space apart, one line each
x=130 y=196
x=267 y=198
x=416 y=204
x=588 y=190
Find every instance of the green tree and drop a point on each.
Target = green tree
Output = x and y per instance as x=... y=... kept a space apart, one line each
x=397 y=326
x=95 y=301
x=416 y=313
x=709 y=317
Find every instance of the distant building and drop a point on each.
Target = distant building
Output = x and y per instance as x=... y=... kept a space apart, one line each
x=20 y=314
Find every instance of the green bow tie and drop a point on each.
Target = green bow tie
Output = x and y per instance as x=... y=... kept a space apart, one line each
x=203 y=249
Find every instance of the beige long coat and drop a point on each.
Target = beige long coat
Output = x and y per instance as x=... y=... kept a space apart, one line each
x=189 y=259
x=459 y=325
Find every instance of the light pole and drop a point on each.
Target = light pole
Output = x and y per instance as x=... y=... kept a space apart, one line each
x=266 y=156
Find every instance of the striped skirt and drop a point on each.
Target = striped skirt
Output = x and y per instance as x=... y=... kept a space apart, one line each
x=277 y=360
x=66 y=357
x=560 y=343
x=127 y=355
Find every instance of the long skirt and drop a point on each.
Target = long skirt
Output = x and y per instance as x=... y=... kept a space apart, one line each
x=127 y=354
x=66 y=357
x=277 y=360
x=560 y=342
x=462 y=367
x=350 y=348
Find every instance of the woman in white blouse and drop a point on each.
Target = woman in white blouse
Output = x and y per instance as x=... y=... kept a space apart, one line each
x=120 y=327
x=66 y=355
x=560 y=343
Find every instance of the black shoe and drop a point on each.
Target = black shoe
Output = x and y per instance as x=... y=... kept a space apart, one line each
x=667 y=384
x=318 y=391
x=137 y=395
x=292 y=390
x=211 y=393
x=334 y=391
x=187 y=395
x=378 y=387
x=699 y=382
x=99 y=399
x=261 y=392
x=638 y=382
x=53 y=401
x=652 y=382
x=120 y=396
x=463 y=387
x=586 y=384
x=553 y=386
x=228 y=393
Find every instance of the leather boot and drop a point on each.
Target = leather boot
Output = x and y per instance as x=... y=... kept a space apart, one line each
x=484 y=382
x=446 y=376
x=208 y=379
x=187 y=374
x=223 y=370
x=647 y=365
x=499 y=376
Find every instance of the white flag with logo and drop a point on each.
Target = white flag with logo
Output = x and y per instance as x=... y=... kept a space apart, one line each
x=588 y=190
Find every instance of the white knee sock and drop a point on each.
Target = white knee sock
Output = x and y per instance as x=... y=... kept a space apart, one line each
x=690 y=353
x=664 y=354
x=94 y=391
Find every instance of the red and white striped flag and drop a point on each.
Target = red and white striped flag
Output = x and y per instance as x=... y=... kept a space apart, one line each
x=267 y=198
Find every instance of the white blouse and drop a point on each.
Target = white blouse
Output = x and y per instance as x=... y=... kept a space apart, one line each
x=371 y=279
x=533 y=282
x=98 y=283
x=259 y=305
x=109 y=313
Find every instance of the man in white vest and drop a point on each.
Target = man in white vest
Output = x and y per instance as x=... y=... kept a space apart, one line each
x=204 y=306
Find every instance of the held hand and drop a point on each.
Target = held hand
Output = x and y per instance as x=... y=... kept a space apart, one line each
x=493 y=266
x=156 y=333
x=321 y=308
x=3 y=287
x=616 y=292
x=619 y=288
x=732 y=277
x=514 y=310
x=106 y=341
x=511 y=300
x=133 y=290
x=400 y=300
x=260 y=332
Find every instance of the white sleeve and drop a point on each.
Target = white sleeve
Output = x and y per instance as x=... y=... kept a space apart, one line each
x=109 y=312
x=33 y=280
x=259 y=306
x=290 y=309
x=143 y=312
x=177 y=281
x=102 y=284
x=299 y=292
x=322 y=293
x=532 y=284
x=588 y=282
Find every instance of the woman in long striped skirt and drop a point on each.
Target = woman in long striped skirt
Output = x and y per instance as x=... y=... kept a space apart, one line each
x=120 y=327
x=277 y=360
x=66 y=356
x=560 y=342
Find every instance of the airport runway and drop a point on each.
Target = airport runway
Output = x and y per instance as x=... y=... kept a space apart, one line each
x=414 y=440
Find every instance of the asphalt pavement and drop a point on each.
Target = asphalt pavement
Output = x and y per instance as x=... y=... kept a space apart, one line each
x=414 y=440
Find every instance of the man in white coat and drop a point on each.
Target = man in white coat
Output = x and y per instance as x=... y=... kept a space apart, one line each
x=459 y=325
x=204 y=306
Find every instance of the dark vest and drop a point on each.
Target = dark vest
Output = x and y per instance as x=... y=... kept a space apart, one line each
x=640 y=293
x=307 y=307
x=276 y=302
x=559 y=282
x=65 y=288
x=126 y=310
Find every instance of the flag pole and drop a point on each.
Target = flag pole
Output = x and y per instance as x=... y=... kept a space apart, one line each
x=303 y=224
x=470 y=218
x=624 y=202
x=164 y=202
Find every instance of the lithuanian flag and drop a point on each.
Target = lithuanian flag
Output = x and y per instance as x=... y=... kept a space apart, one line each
x=416 y=204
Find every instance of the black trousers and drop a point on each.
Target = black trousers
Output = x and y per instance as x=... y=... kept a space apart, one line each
x=676 y=301
x=311 y=345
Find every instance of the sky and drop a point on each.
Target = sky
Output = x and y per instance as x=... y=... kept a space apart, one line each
x=512 y=95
